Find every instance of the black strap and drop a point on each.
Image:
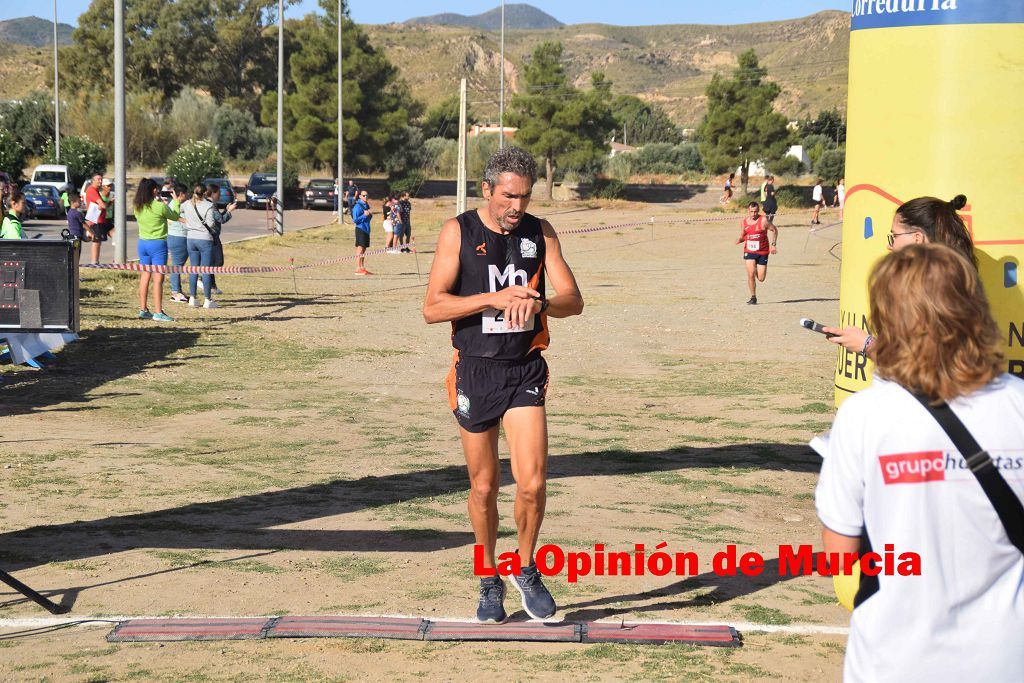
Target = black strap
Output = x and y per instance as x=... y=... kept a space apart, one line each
x=998 y=492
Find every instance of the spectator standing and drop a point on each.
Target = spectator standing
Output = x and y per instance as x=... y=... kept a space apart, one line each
x=98 y=228
x=351 y=194
x=771 y=203
x=893 y=478
x=152 y=216
x=204 y=224
x=11 y=228
x=405 y=208
x=75 y=217
x=361 y=216
x=177 y=241
x=818 y=197
x=841 y=196
x=389 y=225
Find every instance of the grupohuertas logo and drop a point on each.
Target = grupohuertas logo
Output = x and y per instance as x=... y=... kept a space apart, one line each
x=869 y=14
x=463 y=402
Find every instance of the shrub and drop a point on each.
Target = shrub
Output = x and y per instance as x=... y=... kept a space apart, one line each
x=411 y=182
x=788 y=165
x=792 y=197
x=235 y=133
x=608 y=188
x=621 y=166
x=441 y=158
x=83 y=157
x=195 y=161
x=12 y=155
x=29 y=120
x=832 y=165
x=667 y=159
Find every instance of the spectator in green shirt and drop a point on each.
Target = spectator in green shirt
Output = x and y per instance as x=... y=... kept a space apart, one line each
x=152 y=217
x=11 y=228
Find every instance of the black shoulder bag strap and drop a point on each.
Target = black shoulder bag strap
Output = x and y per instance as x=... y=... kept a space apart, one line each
x=998 y=492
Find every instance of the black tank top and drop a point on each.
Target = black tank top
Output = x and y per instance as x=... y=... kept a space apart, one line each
x=490 y=262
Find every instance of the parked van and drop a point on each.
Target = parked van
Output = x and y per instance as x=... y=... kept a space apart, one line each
x=54 y=175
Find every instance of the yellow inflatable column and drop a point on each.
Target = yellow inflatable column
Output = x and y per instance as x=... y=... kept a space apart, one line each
x=936 y=104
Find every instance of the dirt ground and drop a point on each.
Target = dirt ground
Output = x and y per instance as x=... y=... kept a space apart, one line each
x=293 y=453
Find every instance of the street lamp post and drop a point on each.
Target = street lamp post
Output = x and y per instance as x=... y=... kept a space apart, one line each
x=501 y=97
x=56 y=89
x=279 y=207
x=341 y=158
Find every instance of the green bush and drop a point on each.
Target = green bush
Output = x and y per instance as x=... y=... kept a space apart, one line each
x=621 y=166
x=832 y=165
x=12 y=155
x=83 y=157
x=788 y=165
x=29 y=120
x=792 y=197
x=666 y=159
x=441 y=157
x=195 y=161
x=235 y=133
x=607 y=188
x=411 y=182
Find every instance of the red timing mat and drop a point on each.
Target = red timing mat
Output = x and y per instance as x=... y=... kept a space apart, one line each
x=411 y=628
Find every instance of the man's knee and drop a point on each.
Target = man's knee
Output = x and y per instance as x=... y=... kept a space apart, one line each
x=531 y=489
x=483 y=489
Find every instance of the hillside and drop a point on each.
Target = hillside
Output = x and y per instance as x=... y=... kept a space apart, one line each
x=670 y=65
x=34 y=32
x=517 y=16
x=24 y=69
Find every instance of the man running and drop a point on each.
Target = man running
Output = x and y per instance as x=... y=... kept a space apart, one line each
x=488 y=281
x=754 y=237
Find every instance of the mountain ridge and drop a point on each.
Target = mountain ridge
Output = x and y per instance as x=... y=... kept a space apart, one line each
x=34 y=32
x=518 y=16
x=669 y=64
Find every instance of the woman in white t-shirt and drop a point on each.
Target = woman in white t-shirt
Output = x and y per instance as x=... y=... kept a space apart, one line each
x=891 y=477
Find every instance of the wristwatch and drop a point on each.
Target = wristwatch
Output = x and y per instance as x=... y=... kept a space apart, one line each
x=544 y=303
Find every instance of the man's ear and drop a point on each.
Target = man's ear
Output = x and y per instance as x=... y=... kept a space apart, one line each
x=485 y=187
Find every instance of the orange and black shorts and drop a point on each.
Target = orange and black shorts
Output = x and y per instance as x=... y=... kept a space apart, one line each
x=482 y=390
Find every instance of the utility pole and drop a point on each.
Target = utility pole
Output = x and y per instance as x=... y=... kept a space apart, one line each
x=460 y=191
x=120 y=187
x=501 y=98
x=56 y=89
x=341 y=180
x=279 y=208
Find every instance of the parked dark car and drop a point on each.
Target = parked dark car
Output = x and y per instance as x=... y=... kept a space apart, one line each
x=227 y=193
x=260 y=188
x=319 y=194
x=45 y=200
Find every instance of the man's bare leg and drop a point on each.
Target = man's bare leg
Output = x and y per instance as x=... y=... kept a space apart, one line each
x=481 y=451
x=527 y=433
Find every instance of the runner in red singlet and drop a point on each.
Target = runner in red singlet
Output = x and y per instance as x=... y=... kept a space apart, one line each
x=754 y=238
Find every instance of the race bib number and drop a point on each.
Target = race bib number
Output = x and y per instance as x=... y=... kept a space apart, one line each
x=494 y=323
x=754 y=245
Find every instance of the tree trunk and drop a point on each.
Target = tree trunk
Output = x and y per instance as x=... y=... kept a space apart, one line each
x=745 y=175
x=549 y=170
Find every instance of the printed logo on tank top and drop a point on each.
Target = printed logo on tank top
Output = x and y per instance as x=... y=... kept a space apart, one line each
x=491 y=262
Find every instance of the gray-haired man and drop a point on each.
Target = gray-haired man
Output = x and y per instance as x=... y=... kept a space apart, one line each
x=488 y=281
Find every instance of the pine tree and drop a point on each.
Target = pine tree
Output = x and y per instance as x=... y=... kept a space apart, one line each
x=557 y=123
x=741 y=125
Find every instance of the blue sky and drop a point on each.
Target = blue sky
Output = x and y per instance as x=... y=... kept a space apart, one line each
x=635 y=13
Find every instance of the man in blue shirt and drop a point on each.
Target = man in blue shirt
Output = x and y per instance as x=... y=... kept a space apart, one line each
x=361 y=216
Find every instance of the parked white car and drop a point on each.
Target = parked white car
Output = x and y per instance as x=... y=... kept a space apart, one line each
x=54 y=175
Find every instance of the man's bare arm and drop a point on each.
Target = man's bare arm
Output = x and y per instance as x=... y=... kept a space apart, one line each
x=567 y=300
x=441 y=305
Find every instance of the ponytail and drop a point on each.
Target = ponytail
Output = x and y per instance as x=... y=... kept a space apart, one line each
x=939 y=221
